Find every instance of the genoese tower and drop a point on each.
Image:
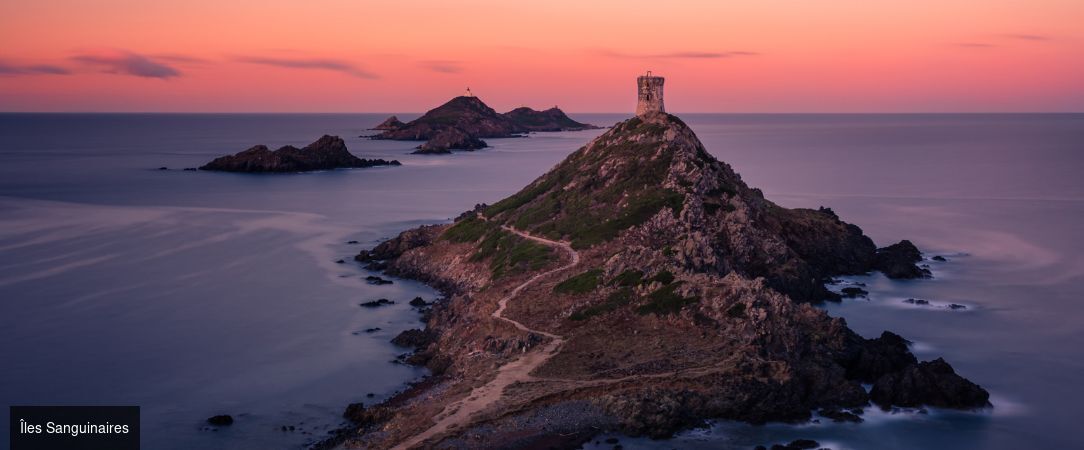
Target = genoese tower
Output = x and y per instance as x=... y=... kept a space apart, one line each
x=649 y=94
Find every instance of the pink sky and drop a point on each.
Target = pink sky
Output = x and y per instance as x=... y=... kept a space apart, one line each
x=403 y=56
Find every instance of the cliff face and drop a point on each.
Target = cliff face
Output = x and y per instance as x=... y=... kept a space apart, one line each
x=328 y=152
x=638 y=286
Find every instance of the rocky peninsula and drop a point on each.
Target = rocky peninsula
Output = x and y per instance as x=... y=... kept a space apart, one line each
x=462 y=123
x=639 y=286
x=328 y=152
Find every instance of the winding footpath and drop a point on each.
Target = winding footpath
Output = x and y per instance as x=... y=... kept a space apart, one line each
x=459 y=412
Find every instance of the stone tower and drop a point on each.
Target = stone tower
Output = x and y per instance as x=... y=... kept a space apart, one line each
x=649 y=94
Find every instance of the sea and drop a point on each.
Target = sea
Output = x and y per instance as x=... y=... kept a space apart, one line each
x=192 y=294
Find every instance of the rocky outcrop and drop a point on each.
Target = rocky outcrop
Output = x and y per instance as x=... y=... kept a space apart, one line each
x=328 y=152
x=932 y=383
x=448 y=140
x=462 y=123
x=898 y=261
x=552 y=119
x=466 y=114
x=391 y=123
x=688 y=300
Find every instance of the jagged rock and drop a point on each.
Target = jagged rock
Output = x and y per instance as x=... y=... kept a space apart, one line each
x=413 y=338
x=328 y=152
x=376 y=303
x=932 y=383
x=939 y=258
x=220 y=420
x=448 y=140
x=838 y=415
x=418 y=302
x=854 y=292
x=363 y=417
x=867 y=360
x=378 y=281
x=898 y=261
x=391 y=123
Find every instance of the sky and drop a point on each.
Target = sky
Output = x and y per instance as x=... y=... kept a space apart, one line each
x=583 y=56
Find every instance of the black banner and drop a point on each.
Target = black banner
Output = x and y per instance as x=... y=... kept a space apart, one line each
x=74 y=427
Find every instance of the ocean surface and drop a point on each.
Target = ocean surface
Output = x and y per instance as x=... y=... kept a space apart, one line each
x=193 y=294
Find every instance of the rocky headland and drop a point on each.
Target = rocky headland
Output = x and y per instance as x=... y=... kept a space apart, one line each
x=328 y=152
x=639 y=286
x=462 y=123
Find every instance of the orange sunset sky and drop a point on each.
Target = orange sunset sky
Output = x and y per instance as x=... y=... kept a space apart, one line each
x=408 y=56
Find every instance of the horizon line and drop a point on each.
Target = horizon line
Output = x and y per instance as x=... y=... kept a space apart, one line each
x=567 y=112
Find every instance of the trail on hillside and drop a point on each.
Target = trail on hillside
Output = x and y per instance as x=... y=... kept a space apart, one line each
x=459 y=412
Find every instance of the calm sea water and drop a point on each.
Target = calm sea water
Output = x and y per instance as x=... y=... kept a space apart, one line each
x=193 y=294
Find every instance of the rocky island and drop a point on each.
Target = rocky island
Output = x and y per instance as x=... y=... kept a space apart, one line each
x=639 y=286
x=328 y=152
x=462 y=123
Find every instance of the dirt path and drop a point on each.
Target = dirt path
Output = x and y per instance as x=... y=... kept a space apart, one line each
x=458 y=413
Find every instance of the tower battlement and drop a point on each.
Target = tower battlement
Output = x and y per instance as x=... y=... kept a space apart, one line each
x=649 y=94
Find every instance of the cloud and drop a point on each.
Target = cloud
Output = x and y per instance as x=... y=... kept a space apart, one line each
x=680 y=55
x=127 y=63
x=443 y=66
x=306 y=63
x=1025 y=37
x=7 y=68
x=180 y=59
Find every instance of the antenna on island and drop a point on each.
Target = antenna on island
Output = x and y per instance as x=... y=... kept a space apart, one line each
x=469 y=93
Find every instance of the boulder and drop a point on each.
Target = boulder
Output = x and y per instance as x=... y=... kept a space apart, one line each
x=932 y=383
x=220 y=420
x=898 y=260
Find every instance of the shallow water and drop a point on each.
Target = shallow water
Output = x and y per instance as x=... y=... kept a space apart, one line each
x=193 y=294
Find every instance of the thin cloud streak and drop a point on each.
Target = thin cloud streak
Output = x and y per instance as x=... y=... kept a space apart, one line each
x=680 y=55
x=334 y=65
x=1025 y=37
x=7 y=68
x=127 y=63
x=443 y=66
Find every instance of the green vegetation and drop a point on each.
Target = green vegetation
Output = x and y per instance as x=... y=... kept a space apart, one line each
x=588 y=210
x=507 y=252
x=580 y=284
x=511 y=254
x=468 y=230
x=736 y=311
x=613 y=301
x=628 y=278
x=665 y=301
x=520 y=198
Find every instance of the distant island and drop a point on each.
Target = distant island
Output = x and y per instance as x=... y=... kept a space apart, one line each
x=462 y=123
x=639 y=286
x=328 y=152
